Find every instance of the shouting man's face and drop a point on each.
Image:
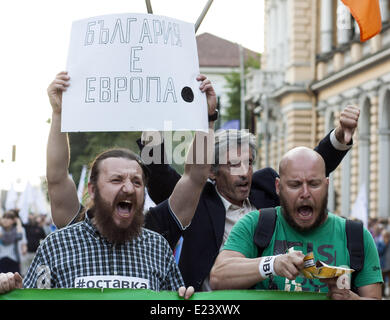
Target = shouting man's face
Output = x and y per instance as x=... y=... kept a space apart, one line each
x=118 y=199
x=303 y=189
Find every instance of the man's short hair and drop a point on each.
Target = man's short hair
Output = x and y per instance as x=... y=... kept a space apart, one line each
x=226 y=139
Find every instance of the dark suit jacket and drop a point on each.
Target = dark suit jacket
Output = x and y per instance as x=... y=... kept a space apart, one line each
x=203 y=238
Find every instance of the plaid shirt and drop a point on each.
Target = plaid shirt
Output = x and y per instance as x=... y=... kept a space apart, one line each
x=67 y=258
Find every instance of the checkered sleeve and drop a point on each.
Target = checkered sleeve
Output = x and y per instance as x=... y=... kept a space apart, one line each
x=173 y=278
x=38 y=274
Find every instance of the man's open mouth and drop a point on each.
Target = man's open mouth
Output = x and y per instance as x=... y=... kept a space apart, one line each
x=305 y=212
x=123 y=208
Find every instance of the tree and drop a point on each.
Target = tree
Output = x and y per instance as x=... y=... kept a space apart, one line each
x=85 y=146
x=233 y=79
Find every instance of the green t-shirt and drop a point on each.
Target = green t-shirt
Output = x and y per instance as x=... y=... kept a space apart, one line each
x=328 y=243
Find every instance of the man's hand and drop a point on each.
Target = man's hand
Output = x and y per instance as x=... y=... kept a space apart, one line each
x=207 y=87
x=55 y=90
x=348 y=123
x=289 y=265
x=336 y=293
x=186 y=293
x=10 y=281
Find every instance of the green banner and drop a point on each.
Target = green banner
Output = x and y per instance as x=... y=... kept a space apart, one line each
x=143 y=294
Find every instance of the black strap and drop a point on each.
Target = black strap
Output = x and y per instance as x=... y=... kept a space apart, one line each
x=355 y=244
x=265 y=229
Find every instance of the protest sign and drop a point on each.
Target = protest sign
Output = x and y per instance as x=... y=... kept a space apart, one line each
x=133 y=72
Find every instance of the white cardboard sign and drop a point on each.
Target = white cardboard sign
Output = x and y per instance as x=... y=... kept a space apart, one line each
x=133 y=72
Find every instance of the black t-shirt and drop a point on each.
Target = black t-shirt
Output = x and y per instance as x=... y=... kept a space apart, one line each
x=34 y=234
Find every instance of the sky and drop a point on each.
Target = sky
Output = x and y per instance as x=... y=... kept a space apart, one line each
x=35 y=37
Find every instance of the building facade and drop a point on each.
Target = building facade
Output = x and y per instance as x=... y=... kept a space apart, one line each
x=313 y=66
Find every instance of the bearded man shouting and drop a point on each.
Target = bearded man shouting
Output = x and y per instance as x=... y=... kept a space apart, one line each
x=109 y=248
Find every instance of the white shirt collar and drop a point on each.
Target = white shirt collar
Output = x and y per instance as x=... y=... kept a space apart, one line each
x=227 y=204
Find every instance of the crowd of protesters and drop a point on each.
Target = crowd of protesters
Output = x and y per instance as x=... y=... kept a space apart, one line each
x=380 y=231
x=19 y=242
x=205 y=206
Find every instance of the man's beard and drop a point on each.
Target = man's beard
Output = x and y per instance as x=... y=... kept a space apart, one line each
x=288 y=217
x=104 y=222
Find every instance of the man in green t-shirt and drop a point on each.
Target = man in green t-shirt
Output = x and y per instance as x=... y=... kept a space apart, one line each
x=304 y=224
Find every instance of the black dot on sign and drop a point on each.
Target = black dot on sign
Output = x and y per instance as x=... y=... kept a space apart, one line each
x=187 y=94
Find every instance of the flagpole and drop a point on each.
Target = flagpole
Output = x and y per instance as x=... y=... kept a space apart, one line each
x=242 y=88
x=202 y=15
x=149 y=6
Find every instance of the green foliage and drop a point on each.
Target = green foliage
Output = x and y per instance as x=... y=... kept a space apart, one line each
x=233 y=84
x=252 y=62
x=85 y=146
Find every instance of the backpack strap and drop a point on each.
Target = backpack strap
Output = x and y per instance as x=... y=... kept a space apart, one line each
x=265 y=229
x=355 y=245
x=263 y=235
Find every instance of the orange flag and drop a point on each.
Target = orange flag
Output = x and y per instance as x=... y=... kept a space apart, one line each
x=368 y=16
